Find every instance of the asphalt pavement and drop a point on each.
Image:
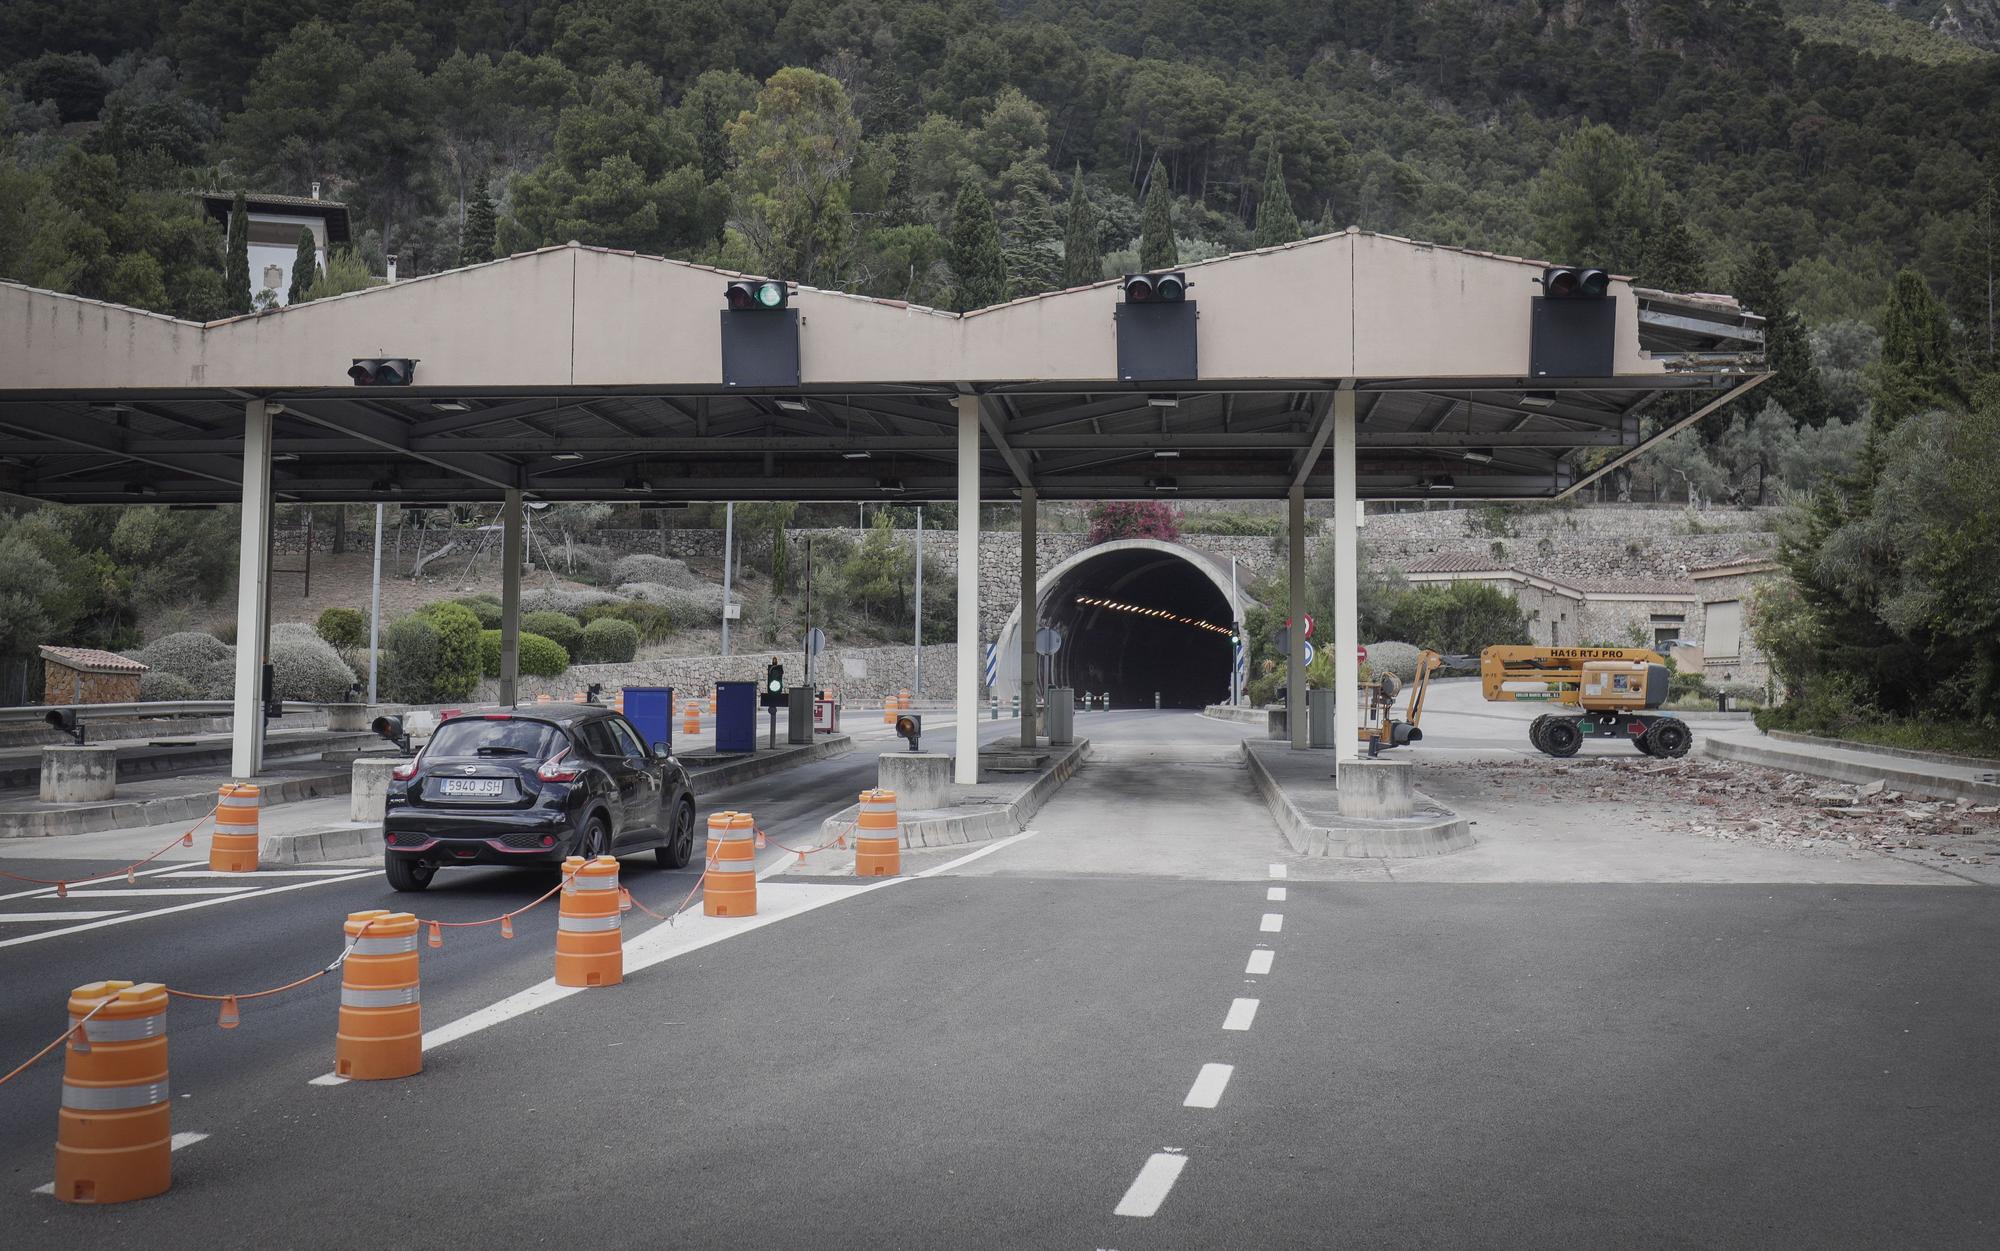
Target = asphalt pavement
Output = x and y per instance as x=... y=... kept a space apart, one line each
x=1033 y=1046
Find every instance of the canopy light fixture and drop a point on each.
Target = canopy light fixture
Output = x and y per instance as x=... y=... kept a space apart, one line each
x=281 y=456
x=1537 y=399
x=1442 y=482
x=567 y=456
x=1163 y=484
x=794 y=406
x=1478 y=455
x=863 y=454
x=1166 y=453
x=451 y=406
x=751 y=295
x=891 y=486
x=1164 y=401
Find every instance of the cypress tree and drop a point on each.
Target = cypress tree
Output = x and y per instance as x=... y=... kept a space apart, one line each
x=236 y=265
x=977 y=262
x=1276 y=222
x=1672 y=262
x=476 y=243
x=1083 y=245
x=1157 y=249
x=1030 y=245
x=1797 y=388
x=305 y=269
x=1918 y=371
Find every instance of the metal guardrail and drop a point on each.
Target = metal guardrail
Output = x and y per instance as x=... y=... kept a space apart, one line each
x=156 y=708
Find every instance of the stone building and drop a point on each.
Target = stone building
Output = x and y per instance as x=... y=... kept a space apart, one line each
x=85 y=675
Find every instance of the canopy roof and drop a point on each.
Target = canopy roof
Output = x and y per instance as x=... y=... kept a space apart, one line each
x=577 y=373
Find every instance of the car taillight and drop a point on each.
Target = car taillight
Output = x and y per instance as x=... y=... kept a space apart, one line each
x=555 y=770
x=408 y=769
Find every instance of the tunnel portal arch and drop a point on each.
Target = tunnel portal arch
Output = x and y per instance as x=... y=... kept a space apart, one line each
x=1131 y=655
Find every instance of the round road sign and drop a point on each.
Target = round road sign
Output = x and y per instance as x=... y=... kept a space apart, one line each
x=1048 y=641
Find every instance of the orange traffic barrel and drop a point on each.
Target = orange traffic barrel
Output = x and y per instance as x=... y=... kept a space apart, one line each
x=233 y=846
x=691 y=718
x=381 y=1014
x=114 y=1138
x=729 y=882
x=711 y=701
x=590 y=937
x=878 y=845
x=903 y=701
x=618 y=702
x=889 y=710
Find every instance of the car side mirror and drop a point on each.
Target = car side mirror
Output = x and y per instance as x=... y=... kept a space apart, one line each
x=662 y=751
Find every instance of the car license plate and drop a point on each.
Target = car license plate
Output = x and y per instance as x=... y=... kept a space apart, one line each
x=472 y=786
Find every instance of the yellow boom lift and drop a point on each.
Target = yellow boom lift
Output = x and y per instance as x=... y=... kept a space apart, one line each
x=1380 y=729
x=1605 y=692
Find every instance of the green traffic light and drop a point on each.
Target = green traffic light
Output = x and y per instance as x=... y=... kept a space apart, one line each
x=770 y=294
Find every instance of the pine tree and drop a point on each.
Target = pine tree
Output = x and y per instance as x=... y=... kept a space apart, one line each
x=1030 y=250
x=1671 y=260
x=236 y=266
x=977 y=263
x=1276 y=222
x=305 y=269
x=1797 y=387
x=1918 y=371
x=1157 y=249
x=476 y=242
x=1083 y=245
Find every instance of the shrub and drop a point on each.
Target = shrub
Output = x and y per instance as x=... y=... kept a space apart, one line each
x=1397 y=658
x=343 y=627
x=560 y=628
x=457 y=673
x=540 y=657
x=1688 y=686
x=410 y=649
x=484 y=607
x=662 y=569
x=609 y=641
x=589 y=562
x=684 y=603
x=165 y=686
x=553 y=599
x=304 y=666
x=655 y=621
x=203 y=661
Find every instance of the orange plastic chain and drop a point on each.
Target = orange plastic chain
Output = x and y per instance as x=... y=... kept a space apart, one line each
x=184 y=839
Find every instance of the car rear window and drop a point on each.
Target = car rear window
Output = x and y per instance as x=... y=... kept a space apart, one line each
x=476 y=736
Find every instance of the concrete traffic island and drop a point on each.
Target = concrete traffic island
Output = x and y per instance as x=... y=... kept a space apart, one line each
x=1373 y=811
x=78 y=775
x=1005 y=799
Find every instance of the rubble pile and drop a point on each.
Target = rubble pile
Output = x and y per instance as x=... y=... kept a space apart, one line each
x=1728 y=801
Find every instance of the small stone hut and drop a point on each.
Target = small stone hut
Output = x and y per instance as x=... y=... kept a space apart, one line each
x=85 y=675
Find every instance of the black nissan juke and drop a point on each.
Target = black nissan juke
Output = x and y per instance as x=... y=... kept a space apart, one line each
x=531 y=787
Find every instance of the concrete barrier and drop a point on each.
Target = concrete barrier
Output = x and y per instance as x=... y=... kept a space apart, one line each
x=369 y=797
x=348 y=717
x=921 y=779
x=1377 y=788
x=79 y=775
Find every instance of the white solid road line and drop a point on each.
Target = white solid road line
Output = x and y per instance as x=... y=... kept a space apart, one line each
x=1275 y=894
x=1150 y=1188
x=1241 y=1013
x=86 y=881
x=1208 y=1086
x=6 y=917
x=1279 y=870
x=1260 y=962
x=691 y=932
x=178 y=1141
x=186 y=907
x=1272 y=922
x=259 y=873
x=128 y=892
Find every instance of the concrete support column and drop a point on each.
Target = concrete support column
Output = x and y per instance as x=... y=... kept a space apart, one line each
x=253 y=585
x=1031 y=669
x=966 y=715
x=510 y=599
x=1345 y=636
x=1295 y=658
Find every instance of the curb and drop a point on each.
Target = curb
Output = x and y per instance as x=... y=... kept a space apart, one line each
x=736 y=772
x=1804 y=759
x=1902 y=753
x=166 y=810
x=1230 y=712
x=347 y=841
x=946 y=827
x=1410 y=839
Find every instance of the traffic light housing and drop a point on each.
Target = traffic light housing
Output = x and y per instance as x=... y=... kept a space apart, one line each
x=1563 y=282
x=910 y=726
x=772 y=694
x=392 y=371
x=756 y=295
x=1573 y=326
x=1167 y=287
x=1156 y=328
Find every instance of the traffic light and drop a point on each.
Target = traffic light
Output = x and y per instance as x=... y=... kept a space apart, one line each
x=910 y=725
x=395 y=371
x=1561 y=282
x=1162 y=288
x=774 y=679
x=756 y=295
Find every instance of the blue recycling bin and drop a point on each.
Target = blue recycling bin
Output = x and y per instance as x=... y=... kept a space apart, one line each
x=650 y=709
x=735 y=716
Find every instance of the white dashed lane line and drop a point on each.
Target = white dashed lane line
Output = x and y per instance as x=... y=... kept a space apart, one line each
x=1260 y=962
x=1272 y=923
x=1241 y=1013
x=24 y=918
x=1275 y=894
x=1208 y=1086
x=1279 y=870
x=1151 y=1187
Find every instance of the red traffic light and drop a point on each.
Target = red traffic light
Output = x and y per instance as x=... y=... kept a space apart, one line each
x=395 y=371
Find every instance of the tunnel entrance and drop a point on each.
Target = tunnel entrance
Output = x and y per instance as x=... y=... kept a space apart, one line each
x=1139 y=619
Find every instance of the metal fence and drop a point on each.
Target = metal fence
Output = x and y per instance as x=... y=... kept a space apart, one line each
x=20 y=681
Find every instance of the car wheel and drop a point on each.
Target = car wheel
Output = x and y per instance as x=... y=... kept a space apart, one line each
x=1561 y=737
x=679 y=847
x=405 y=874
x=1671 y=739
x=596 y=839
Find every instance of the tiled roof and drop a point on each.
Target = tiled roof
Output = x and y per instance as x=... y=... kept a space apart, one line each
x=91 y=660
x=1451 y=563
x=1630 y=586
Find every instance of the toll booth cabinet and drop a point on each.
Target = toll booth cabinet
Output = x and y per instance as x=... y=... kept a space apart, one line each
x=735 y=717
x=650 y=709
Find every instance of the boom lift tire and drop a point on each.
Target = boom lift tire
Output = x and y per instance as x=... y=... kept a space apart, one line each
x=1535 y=731
x=1669 y=738
x=1561 y=737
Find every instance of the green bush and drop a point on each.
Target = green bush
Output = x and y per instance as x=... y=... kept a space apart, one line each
x=558 y=627
x=609 y=641
x=655 y=621
x=305 y=667
x=1688 y=686
x=157 y=685
x=343 y=627
x=484 y=607
x=410 y=649
x=204 y=662
x=458 y=670
x=540 y=657
x=1397 y=658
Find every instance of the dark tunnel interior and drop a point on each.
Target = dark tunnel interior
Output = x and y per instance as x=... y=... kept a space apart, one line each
x=1133 y=654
